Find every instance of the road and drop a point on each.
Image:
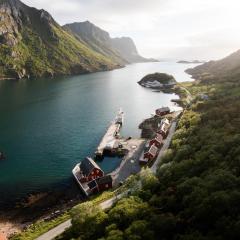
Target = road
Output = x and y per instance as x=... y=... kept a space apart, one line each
x=67 y=224
x=108 y=203
x=166 y=144
x=56 y=231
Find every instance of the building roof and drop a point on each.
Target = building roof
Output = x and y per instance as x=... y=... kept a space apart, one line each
x=104 y=180
x=92 y=184
x=159 y=138
x=153 y=150
x=163 y=109
x=87 y=166
x=165 y=121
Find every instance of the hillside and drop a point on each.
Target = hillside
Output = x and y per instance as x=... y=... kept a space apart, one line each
x=228 y=67
x=122 y=50
x=95 y=38
x=33 y=44
x=128 y=50
x=195 y=194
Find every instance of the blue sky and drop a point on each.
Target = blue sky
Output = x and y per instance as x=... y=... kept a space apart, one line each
x=181 y=29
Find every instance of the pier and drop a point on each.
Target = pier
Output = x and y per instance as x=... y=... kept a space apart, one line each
x=110 y=140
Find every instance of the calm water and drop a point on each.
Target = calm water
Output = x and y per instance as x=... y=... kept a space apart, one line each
x=47 y=126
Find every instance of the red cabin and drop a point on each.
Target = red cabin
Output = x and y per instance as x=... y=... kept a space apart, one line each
x=164 y=127
x=90 y=170
x=157 y=141
x=101 y=184
x=151 y=154
x=162 y=111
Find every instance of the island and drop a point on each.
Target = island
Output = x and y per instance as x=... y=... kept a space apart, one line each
x=158 y=81
x=189 y=62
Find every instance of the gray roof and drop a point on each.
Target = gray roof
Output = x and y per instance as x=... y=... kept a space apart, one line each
x=92 y=184
x=163 y=109
x=87 y=165
x=104 y=180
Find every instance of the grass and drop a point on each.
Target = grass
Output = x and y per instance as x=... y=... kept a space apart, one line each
x=37 y=229
x=47 y=49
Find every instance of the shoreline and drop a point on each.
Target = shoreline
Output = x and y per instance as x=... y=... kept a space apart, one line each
x=18 y=219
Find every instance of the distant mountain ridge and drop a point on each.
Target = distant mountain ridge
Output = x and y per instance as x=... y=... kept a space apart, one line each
x=224 y=68
x=96 y=38
x=121 y=49
x=33 y=44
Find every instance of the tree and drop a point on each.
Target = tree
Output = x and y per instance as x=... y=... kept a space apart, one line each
x=88 y=220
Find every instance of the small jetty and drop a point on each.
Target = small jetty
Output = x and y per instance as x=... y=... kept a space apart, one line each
x=110 y=142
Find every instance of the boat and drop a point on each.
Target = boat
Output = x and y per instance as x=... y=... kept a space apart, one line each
x=2 y=156
x=120 y=117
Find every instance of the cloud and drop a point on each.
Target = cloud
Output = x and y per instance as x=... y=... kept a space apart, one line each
x=160 y=28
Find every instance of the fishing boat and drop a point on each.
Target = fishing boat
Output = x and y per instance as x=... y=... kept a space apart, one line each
x=2 y=156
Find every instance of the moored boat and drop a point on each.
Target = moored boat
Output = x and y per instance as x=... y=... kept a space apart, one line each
x=2 y=156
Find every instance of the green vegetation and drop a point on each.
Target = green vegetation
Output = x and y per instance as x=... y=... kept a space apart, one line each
x=195 y=194
x=40 y=227
x=162 y=78
x=33 y=44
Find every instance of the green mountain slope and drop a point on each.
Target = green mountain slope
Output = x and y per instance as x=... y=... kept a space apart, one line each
x=33 y=44
x=122 y=50
x=228 y=67
x=96 y=38
x=195 y=194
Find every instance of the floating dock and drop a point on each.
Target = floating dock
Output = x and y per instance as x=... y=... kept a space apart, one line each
x=77 y=175
x=109 y=141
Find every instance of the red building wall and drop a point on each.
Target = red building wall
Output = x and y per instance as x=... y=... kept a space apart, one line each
x=148 y=156
x=103 y=187
x=156 y=143
x=96 y=173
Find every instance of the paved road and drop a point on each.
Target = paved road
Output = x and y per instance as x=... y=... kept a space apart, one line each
x=108 y=203
x=165 y=146
x=65 y=225
x=55 y=231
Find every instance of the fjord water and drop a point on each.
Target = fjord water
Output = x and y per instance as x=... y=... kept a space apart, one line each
x=49 y=125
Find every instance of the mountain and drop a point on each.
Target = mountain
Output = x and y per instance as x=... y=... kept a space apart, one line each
x=32 y=43
x=122 y=49
x=95 y=38
x=228 y=67
x=128 y=50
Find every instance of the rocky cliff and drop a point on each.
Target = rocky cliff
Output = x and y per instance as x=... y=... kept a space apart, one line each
x=95 y=38
x=122 y=50
x=33 y=44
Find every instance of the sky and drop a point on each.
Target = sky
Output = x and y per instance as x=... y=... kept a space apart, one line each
x=174 y=29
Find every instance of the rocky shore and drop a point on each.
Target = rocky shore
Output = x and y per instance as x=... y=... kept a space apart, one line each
x=45 y=205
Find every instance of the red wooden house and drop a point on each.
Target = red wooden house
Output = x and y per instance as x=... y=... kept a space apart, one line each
x=100 y=184
x=157 y=141
x=162 y=111
x=89 y=170
x=151 y=153
x=164 y=127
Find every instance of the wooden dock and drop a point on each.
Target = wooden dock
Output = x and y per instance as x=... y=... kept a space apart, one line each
x=110 y=141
